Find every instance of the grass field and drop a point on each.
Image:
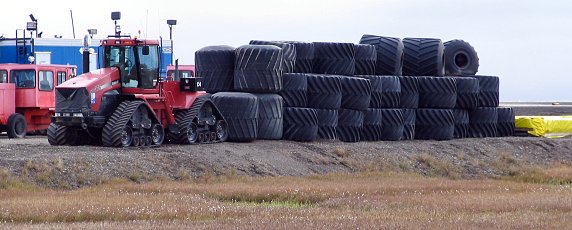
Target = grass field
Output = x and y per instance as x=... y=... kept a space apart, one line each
x=539 y=199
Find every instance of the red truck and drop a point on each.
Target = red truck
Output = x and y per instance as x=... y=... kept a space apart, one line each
x=27 y=93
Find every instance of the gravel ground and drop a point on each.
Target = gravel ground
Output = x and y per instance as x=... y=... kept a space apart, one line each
x=76 y=166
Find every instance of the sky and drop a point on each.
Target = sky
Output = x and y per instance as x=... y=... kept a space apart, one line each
x=526 y=43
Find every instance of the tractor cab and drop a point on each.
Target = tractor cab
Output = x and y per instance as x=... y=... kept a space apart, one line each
x=137 y=61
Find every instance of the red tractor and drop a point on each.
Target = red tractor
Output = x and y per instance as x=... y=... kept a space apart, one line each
x=27 y=96
x=126 y=103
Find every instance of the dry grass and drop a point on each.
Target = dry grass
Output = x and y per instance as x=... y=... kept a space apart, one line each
x=337 y=201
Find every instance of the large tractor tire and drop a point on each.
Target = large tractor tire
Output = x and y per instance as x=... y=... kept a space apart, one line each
x=409 y=97
x=483 y=122
x=488 y=91
x=288 y=51
x=324 y=91
x=350 y=123
x=437 y=92
x=356 y=93
x=467 y=92
x=57 y=134
x=393 y=124
x=270 y=118
x=423 y=57
x=327 y=123
x=215 y=64
x=505 y=122
x=17 y=126
x=295 y=90
x=461 y=117
x=409 y=120
x=385 y=91
x=305 y=53
x=372 y=125
x=434 y=124
x=460 y=58
x=262 y=74
x=389 y=57
x=365 y=57
x=334 y=58
x=300 y=124
x=241 y=112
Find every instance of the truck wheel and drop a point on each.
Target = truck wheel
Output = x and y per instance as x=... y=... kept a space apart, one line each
x=17 y=126
x=157 y=134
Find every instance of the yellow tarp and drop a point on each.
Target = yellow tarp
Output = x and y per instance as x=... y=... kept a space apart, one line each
x=546 y=126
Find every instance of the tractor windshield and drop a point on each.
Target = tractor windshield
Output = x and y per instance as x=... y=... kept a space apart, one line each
x=138 y=70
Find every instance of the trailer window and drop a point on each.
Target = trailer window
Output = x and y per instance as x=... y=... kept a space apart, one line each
x=23 y=78
x=46 y=80
x=3 y=76
x=61 y=77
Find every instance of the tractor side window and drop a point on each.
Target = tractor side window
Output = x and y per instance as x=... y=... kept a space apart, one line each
x=3 y=76
x=46 y=80
x=61 y=77
x=23 y=79
x=149 y=65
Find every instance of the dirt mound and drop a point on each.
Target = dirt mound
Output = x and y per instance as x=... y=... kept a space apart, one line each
x=34 y=159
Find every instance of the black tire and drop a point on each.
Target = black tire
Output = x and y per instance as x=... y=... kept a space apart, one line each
x=460 y=58
x=350 y=123
x=505 y=122
x=270 y=117
x=300 y=124
x=295 y=90
x=327 y=123
x=334 y=58
x=409 y=97
x=393 y=122
x=288 y=51
x=262 y=74
x=483 y=122
x=437 y=92
x=356 y=93
x=324 y=91
x=305 y=53
x=434 y=124
x=461 y=123
x=16 y=127
x=488 y=90
x=467 y=92
x=365 y=58
x=409 y=119
x=57 y=134
x=423 y=57
x=215 y=64
x=240 y=111
x=372 y=125
x=376 y=96
x=389 y=54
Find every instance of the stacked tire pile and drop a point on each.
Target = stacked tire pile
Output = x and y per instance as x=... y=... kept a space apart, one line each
x=383 y=88
x=245 y=89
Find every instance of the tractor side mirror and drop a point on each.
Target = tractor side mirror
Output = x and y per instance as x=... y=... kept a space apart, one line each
x=145 y=50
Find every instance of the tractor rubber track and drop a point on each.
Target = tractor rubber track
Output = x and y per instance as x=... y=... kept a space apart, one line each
x=184 y=118
x=111 y=134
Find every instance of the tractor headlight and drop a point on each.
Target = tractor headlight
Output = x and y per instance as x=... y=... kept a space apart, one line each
x=57 y=114
x=77 y=114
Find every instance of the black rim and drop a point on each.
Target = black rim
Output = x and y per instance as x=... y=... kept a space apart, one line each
x=192 y=133
x=157 y=135
x=221 y=130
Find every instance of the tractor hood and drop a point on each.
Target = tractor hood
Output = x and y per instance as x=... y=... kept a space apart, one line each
x=93 y=80
x=84 y=92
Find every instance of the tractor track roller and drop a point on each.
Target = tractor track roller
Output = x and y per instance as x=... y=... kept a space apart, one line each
x=129 y=125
